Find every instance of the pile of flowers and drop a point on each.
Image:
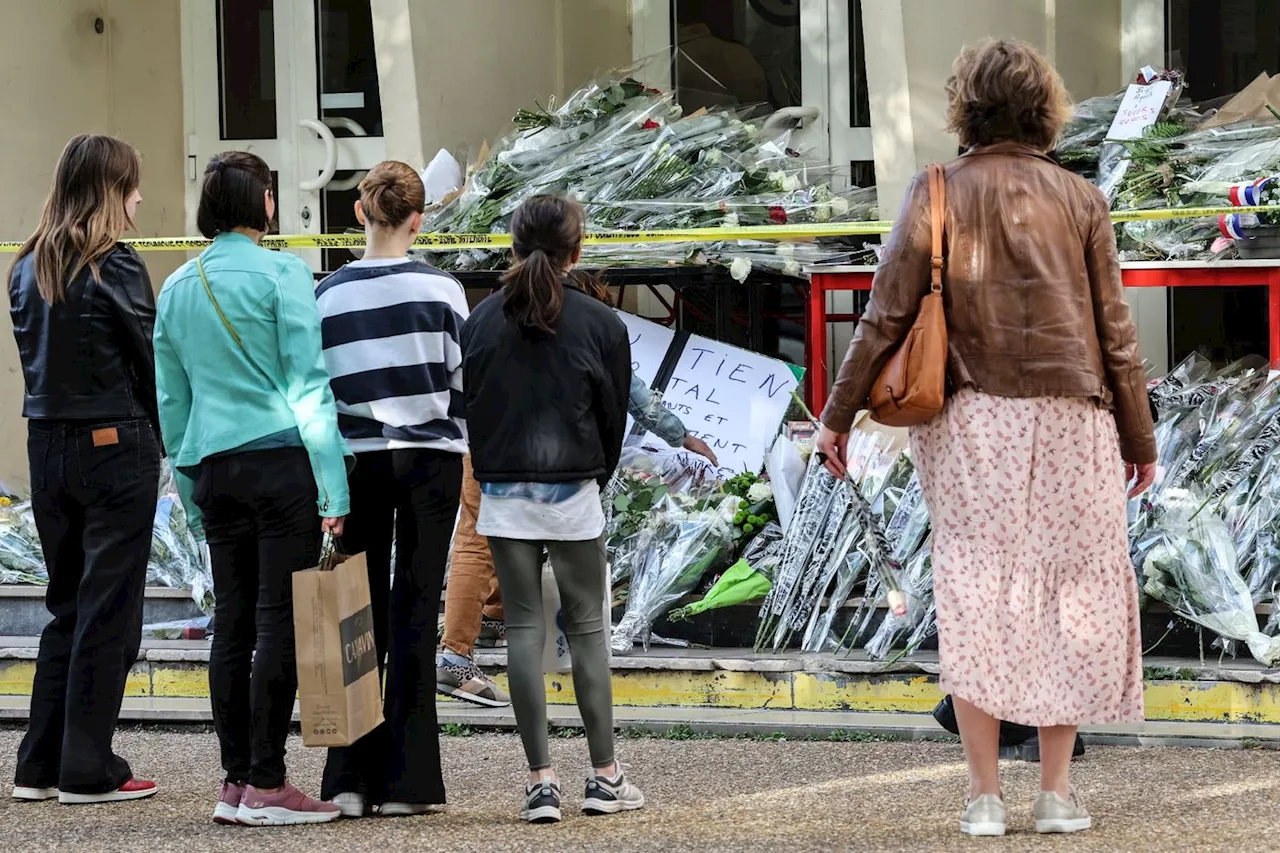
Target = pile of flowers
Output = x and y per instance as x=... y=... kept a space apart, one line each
x=1189 y=158
x=631 y=155
x=177 y=561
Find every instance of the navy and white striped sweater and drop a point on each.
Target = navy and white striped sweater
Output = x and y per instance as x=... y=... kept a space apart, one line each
x=390 y=329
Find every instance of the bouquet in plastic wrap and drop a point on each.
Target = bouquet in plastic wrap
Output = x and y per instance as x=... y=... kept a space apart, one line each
x=1192 y=568
x=833 y=539
x=690 y=537
x=645 y=478
x=920 y=620
x=630 y=154
x=177 y=561
x=21 y=556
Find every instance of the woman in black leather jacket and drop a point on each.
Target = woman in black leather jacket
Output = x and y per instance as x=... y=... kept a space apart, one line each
x=83 y=312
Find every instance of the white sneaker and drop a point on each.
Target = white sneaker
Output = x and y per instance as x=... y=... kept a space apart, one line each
x=403 y=809
x=984 y=816
x=610 y=796
x=1054 y=814
x=34 y=795
x=349 y=803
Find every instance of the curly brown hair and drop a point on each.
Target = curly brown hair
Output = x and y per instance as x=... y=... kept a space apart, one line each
x=1005 y=91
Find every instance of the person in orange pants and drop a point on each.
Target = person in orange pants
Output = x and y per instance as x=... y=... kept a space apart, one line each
x=472 y=608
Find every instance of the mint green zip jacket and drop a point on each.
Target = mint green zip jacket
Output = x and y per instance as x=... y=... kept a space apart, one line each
x=216 y=396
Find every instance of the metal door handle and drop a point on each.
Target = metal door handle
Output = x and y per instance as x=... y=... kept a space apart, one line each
x=330 y=155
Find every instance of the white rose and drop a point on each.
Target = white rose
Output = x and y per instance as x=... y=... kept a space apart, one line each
x=790 y=183
x=839 y=206
x=791 y=268
x=759 y=492
x=730 y=220
x=822 y=212
x=740 y=269
x=752 y=131
x=777 y=178
x=786 y=250
x=715 y=157
x=729 y=508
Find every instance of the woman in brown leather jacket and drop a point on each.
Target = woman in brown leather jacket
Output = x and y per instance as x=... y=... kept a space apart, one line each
x=1046 y=422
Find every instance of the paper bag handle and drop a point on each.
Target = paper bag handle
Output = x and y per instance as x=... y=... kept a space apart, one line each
x=328 y=553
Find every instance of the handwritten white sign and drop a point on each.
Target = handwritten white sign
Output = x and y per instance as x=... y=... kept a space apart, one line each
x=649 y=344
x=1139 y=109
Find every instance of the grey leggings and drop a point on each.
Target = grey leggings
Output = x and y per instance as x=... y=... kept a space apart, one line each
x=580 y=576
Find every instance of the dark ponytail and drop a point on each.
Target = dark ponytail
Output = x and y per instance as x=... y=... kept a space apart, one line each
x=546 y=233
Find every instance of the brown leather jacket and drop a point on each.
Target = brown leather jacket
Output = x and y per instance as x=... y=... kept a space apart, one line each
x=1032 y=293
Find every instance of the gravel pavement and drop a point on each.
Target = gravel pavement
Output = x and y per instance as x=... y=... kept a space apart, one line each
x=703 y=795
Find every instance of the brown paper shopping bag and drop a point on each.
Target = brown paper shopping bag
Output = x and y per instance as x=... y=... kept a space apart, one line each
x=338 y=686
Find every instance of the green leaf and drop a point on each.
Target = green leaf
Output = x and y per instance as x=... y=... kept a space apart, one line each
x=622 y=503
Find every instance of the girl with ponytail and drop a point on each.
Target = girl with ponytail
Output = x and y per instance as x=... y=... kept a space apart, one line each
x=547 y=373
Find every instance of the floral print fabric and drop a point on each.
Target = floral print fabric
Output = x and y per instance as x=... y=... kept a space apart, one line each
x=1037 y=599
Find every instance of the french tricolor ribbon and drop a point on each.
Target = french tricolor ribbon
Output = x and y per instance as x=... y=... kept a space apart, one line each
x=1248 y=195
x=1232 y=225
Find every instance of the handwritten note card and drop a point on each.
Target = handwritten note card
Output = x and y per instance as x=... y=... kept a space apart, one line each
x=1139 y=109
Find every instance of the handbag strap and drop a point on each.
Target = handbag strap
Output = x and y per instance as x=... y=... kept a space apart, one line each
x=231 y=329
x=216 y=307
x=938 y=222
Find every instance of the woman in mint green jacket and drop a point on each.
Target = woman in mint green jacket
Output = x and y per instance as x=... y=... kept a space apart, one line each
x=251 y=428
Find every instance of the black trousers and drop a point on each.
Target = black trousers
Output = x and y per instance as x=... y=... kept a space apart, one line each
x=93 y=492
x=262 y=525
x=411 y=496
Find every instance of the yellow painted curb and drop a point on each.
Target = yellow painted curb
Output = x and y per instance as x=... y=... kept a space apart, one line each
x=1171 y=700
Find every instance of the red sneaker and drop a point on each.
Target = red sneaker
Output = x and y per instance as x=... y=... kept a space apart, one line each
x=285 y=807
x=226 y=812
x=134 y=789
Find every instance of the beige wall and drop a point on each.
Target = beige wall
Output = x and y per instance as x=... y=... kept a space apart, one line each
x=911 y=45
x=473 y=69
x=62 y=78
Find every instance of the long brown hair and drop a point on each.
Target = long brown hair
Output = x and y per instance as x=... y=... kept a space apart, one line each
x=84 y=216
x=391 y=193
x=546 y=233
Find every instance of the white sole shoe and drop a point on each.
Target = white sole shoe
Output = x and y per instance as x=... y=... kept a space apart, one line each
x=473 y=698
x=349 y=804
x=226 y=814
x=982 y=830
x=34 y=795
x=1063 y=825
x=405 y=809
x=277 y=816
x=542 y=814
x=69 y=799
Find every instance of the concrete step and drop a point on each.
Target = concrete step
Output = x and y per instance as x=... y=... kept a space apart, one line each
x=23 y=614
x=1178 y=690
x=460 y=719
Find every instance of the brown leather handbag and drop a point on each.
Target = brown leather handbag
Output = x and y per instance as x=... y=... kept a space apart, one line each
x=912 y=387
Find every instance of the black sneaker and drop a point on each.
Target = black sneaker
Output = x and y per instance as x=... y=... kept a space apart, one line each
x=610 y=796
x=493 y=634
x=542 y=803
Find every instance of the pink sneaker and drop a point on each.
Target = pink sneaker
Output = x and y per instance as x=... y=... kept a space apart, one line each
x=286 y=807
x=226 y=812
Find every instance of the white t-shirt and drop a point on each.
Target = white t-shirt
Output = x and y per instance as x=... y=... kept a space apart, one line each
x=556 y=512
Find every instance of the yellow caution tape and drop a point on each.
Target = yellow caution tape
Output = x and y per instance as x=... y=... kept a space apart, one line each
x=772 y=233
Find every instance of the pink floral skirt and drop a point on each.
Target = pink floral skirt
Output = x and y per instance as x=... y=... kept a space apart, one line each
x=1037 y=600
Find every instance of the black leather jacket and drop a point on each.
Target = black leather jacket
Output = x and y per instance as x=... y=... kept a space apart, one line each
x=88 y=357
x=546 y=408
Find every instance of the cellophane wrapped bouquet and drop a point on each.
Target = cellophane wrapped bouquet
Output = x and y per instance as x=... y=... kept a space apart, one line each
x=638 y=162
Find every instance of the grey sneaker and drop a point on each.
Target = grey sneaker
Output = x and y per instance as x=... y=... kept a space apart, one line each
x=541 y=803
x=610 y=796
x=983 y=816
x=1054 y=814
x=469 y=684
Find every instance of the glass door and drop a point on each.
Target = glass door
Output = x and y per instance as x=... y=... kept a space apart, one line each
x=295 y=82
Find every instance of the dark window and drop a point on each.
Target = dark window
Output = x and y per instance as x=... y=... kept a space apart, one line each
x=1222 y=45
x=859 y=98
x=731 y=52
x=247 y=69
